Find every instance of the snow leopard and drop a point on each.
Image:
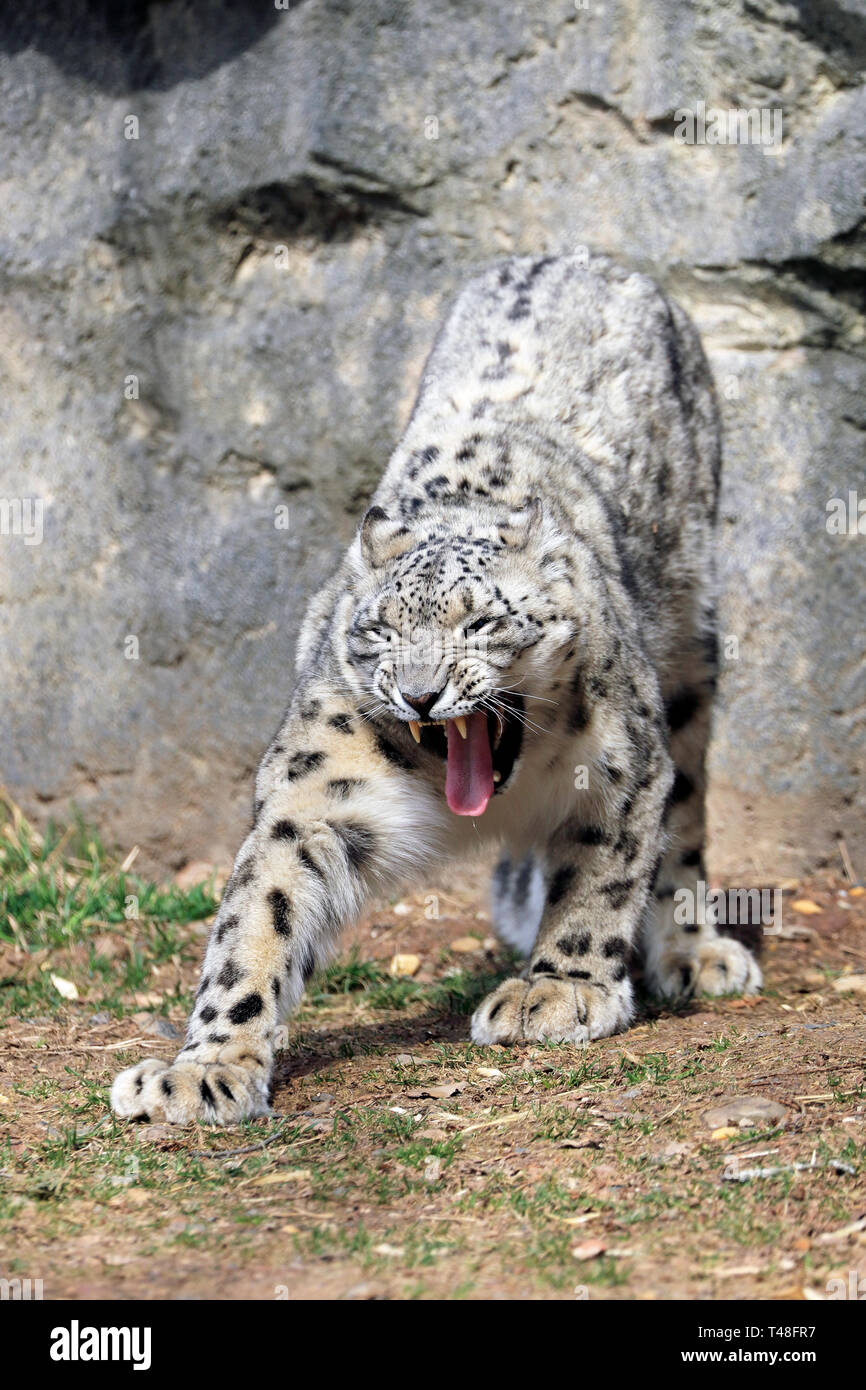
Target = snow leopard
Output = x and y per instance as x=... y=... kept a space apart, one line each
x=517 y=655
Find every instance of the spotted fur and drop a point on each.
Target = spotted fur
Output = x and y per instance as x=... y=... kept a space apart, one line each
x=548 y=517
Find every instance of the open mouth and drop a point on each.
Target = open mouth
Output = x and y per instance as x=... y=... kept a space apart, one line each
x=480 y=750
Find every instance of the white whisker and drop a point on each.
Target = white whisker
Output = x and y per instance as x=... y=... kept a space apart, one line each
x=505 y=712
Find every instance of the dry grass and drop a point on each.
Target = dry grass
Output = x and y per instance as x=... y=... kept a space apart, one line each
x=545 y=1172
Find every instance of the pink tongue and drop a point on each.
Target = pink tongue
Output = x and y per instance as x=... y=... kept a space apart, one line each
x=469 y=779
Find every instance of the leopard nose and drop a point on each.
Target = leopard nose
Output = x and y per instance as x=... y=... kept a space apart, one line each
x=422 y=703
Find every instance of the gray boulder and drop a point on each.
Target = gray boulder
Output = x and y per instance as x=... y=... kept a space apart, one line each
x=227 y=234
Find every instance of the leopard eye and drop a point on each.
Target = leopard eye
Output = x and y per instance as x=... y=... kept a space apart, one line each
x=474 y=628
x=367 y=638
x=386 y=638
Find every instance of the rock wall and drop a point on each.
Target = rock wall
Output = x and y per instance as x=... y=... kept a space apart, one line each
x=227 y=233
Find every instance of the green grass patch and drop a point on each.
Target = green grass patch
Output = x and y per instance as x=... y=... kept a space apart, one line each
x=62 y=890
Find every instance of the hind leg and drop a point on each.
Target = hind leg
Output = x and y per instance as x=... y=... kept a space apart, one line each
x=517 y=895
x=684 y=955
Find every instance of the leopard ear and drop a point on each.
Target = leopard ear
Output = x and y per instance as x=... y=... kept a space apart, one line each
x=521 y=525
x=382 y=538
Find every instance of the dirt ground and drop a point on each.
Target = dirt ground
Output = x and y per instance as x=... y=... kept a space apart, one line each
x=403 y=1162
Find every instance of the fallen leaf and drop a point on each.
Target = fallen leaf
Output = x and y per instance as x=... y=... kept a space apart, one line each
x=725 y=1132
x=404 y=965
x=111 y=946
x=320 y=1126
x=64 y=987
x=589 y=1249
x=829 y=1237
x=806 y=906
x=856 y=892
x=465 y=944
x=155 y=1133
x=814 y=979
x=284 y=1175
x=488 y=1071
x=390 y=1250
x=444 y=1092
x=432 y=1169
x=850 y=984
x=745 y=1111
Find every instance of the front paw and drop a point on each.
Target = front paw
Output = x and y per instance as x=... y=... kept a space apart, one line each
x=221 y=1092
x=721 y=965
x=552 y=1010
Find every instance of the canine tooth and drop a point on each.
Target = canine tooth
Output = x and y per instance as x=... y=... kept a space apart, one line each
x=461 y=726
x=497 y=776
x=416 y=730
